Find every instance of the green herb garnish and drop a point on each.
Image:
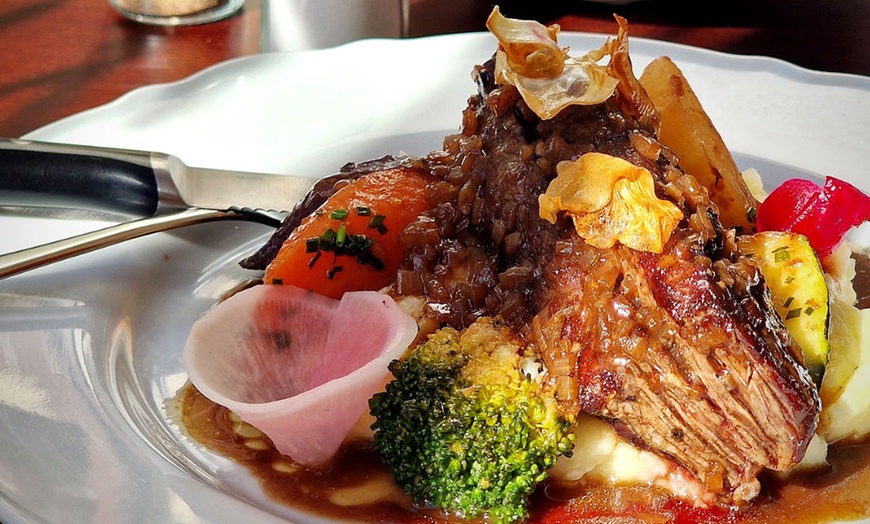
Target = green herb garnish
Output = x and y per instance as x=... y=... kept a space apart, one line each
x=340 y=235
x=338 y=214
x=327 y=238
x=377 y=222
x=342 y=243
x=312 y=245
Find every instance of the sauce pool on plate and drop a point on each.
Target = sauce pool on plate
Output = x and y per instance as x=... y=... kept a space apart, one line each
x=356 y=486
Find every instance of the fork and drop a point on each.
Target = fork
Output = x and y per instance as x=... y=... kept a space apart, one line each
x=31 y=258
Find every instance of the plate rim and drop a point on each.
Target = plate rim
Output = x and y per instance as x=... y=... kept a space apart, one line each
x=756 y=61
x=762 y=63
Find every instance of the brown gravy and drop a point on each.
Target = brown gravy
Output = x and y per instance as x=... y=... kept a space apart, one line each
x=861 y=282
x=843 y=493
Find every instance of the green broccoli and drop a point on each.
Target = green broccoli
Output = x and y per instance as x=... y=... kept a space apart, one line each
x=464 y=428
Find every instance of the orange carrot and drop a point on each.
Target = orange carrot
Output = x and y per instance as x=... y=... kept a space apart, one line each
x=351 y=243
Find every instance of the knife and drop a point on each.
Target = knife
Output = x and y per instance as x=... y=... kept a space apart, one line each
x=131 y=182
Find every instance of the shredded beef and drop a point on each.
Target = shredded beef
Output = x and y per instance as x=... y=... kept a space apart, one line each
x=681 y=351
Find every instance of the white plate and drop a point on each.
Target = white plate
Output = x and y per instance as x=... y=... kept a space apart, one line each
x=89 y=348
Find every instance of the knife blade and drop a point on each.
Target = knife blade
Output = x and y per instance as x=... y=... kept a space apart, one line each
x=132 y=182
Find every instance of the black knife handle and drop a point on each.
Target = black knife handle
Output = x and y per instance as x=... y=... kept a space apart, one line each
x=34 y=174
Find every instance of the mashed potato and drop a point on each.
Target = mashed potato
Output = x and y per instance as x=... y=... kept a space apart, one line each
x=601 y=456
x=845 y=388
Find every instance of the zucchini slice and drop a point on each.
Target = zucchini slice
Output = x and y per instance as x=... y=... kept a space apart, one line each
x=797 y=286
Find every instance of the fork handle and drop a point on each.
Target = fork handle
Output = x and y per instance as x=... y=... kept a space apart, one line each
x=30 y=258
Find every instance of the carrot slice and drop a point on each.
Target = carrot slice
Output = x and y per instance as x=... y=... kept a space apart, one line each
x=351 y=243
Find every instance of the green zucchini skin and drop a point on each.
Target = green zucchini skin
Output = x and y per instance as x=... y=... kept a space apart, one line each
x=797 y=286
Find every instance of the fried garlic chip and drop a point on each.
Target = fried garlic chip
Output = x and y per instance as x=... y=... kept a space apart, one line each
x=548 y=79
x=530 y=47
x=610 y=199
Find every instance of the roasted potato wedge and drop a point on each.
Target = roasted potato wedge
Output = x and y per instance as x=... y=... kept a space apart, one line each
x=687 y=130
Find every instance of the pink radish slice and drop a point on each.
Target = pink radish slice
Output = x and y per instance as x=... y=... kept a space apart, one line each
x=298 y=366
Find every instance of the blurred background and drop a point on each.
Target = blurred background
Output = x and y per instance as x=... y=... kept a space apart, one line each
x=827 y=35
x=61 y=57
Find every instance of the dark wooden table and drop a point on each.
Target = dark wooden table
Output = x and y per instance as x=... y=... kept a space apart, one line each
x=60 y=57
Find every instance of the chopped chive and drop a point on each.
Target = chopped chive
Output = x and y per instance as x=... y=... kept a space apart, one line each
x=788 y=302
x=793 y=313
x=363 y=241
x=789 y=280
x=341 y=235
x=312 y=245
x=751 y=214
x=338 y=214
x=781 y=255
x=327 y=239
x=363 y=211
x=809 y=311
x=341 y=242
x=330 y=273
x=377 y=222
x=319 y=212
x=277 y=281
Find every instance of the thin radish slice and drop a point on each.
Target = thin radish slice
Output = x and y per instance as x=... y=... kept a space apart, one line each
x=298 y=366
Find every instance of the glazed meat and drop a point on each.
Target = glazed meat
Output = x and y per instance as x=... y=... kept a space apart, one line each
x=682 y=355
x=681 y=351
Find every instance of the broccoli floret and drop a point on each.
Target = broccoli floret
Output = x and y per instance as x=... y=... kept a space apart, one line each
x=463 y=427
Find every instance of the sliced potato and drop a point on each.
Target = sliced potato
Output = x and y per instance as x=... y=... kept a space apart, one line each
x=687 y=130
x=845 y=387
x=798 y=289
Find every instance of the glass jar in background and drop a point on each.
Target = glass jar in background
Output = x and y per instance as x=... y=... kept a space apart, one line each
x=176 y=12
x=297 y=25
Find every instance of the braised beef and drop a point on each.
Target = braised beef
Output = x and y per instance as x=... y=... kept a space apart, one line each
x=682 y=351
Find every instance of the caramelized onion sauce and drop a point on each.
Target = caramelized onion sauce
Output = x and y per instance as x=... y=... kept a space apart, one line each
x=861 y=282
x=843 y=493
x=306 y=489
x=356 y=486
